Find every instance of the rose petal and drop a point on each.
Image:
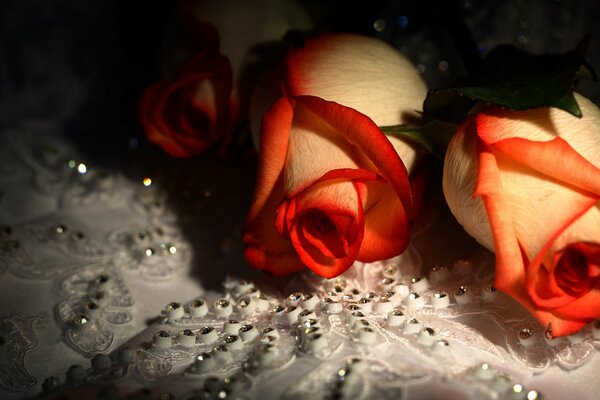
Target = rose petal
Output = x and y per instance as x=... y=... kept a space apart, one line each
x=360 y=131
x=386 y=90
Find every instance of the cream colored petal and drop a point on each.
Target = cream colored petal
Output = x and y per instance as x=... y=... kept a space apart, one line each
x=460 y=175
x=314 y=149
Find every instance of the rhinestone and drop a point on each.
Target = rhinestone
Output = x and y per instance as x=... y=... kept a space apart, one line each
x=364 y=300
x=358 y=314
x=461 y=291
x=244 y=302
x=311 y=329
x=231 y=339
x=413 y=321
x=353 y=307
x=294 y=297
x=60 y=229
x=197 y=303
x=222 y=303
x=173 y=306
x=532 y=395
x=384 y=300
x=278 y=308
x=363 y=322
x=310 y=322
x=188 y=332
x=268 y=330
x=307 y=296
x=440 y=295
x=355 y=291
x=268 y=339
x=429 y=331
x=206 y=330
x=525 y=333
x=305 y=313
x=149 y=251
x=397 y=313
x=222 y=348
x=370 y=295
x=387 y=281
x=290 y=309
x=390 y=270
x=315 y=336
x=91 y=306
x=82 y=320
x=338 y=289
x=164 y=334
x=246 y=328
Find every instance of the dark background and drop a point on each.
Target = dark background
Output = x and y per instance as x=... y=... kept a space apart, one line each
x=83 y=64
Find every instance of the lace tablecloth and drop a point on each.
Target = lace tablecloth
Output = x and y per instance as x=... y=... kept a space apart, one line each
x=121 y=269
x=107 y=286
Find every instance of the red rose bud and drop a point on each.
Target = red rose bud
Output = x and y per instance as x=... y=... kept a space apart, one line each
x=331 y=187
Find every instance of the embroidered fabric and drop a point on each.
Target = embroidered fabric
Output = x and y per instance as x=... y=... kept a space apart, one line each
x=397 y=328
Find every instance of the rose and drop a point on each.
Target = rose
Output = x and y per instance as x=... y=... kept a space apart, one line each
x=526 y=184
x=331 y=188
x=224 y=42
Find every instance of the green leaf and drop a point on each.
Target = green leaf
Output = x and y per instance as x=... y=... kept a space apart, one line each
x=516 y=80
x=430 y=136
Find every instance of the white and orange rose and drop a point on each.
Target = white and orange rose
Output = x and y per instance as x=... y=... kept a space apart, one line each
x=331 y=187
x=526 y=185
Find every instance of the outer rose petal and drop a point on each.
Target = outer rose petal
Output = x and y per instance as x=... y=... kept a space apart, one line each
x=182 y=120
x=266 y=249
x=388 y=90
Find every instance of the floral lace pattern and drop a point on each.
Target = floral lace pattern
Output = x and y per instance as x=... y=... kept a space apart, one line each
x=102 y=247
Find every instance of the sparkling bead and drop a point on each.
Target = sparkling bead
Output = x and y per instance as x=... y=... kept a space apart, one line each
x=366 y=335
x=395 y=318
x=411 y=326
x=198 y=308
x=246 y=305
x=306 y=315
x=232 y=327
x=426 y=337
x=207 y=335
x=223 y=308
x=233 y=342
x=310 y=301
x=174 y=311
x=526 y=337
x=489 y=293
x=272 y=332
x=440 y=300
x=162 y=340
x=247 y=333
x=186 y=338
x=292 y=313
x=419 y=284
x=463 y=295
x=414 y=301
